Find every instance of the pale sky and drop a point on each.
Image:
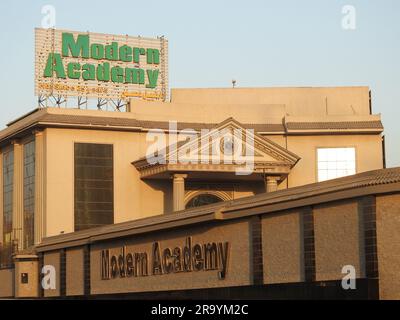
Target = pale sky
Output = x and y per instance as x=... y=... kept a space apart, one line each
x=258 y=43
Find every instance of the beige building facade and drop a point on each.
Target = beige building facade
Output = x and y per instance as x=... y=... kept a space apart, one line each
x=73 y=179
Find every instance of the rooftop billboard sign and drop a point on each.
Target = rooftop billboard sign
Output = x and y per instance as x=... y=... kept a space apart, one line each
x=103 y=66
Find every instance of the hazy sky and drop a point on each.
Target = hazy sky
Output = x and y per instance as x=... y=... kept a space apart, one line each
x=259 y=43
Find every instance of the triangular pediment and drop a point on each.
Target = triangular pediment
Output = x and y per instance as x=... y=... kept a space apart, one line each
x=229 y=147
x=230 y=140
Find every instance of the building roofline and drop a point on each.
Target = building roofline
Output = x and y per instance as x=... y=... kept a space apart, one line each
x=22 y=117
x=372 y=182
x=271 y=87
x=103 y=120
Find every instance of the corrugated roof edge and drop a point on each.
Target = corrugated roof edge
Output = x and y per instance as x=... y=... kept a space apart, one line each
x=41 y=117
x=22 y=117
x=334 y=125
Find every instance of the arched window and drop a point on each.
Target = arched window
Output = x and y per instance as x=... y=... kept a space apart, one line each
x=202 y=200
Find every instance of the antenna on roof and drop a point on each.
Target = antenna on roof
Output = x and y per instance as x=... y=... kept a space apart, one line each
x=233 y=83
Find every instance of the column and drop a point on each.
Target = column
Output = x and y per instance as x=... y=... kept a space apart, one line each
x=271 y=183
x=179 y=191
x=27 y=264
x=308 y=244
x=39 y=186
x=18 y=195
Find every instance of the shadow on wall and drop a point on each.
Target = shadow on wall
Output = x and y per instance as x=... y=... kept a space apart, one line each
x=166 y=187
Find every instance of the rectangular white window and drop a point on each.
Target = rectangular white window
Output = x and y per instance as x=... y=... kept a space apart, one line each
x=335 y=163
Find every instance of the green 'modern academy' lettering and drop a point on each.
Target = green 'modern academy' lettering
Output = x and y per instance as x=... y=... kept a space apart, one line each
x=54 y=64
x=78 y=48
x=81 y=48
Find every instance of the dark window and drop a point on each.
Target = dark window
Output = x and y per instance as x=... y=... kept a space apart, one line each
x=24 y=278
x=202 y=199
x=7 y=237
x=29 y=193
x=94 y=181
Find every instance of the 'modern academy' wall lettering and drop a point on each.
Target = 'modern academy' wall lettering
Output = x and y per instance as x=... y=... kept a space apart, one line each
x=190 y=257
